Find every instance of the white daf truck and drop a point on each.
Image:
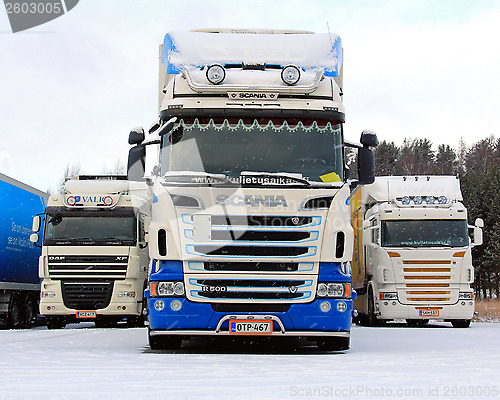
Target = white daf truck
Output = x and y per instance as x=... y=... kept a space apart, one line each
x=94 y=258
x=412 y=253
x=250 y=231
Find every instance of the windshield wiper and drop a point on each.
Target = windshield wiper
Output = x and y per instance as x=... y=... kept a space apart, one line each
x=274 y=178
x=197 y=177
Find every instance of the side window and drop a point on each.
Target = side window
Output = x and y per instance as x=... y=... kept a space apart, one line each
x=375 y=230
x=141 y=229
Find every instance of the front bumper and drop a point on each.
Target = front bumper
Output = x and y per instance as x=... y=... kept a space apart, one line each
x=201 y=319
x=393 y=309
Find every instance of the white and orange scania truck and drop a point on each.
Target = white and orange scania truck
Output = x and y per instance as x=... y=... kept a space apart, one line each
x=412 y=252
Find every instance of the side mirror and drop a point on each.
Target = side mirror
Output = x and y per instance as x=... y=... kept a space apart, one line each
x=167 y=127
x=136 y=136
x=37 y=221
x=136 y=165
x=366 y=158
x=478 y=232
x=34 y=237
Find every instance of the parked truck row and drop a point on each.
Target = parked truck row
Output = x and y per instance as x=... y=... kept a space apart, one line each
x=249 y=221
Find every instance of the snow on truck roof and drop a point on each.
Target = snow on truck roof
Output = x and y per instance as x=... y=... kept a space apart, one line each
x=202 y=48
x=387 y=188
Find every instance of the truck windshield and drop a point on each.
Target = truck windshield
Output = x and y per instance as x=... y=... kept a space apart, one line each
x=307 y=149
x=87 y=230
x=425 y=233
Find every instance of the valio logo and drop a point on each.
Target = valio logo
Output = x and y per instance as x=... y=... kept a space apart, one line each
x=28 y=14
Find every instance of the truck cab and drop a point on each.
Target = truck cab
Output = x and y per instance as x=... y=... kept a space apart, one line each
x=414 y=254
x=94 y=257
x=250 y=231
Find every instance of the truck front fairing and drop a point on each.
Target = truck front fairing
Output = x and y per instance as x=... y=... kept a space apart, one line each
x=250 y=209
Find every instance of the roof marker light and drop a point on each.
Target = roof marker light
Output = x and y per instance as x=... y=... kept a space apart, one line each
x=216 y=74
x=417 y=200
x=430 y=200
x=290 y=74
x=405 y=200
x=442 y=200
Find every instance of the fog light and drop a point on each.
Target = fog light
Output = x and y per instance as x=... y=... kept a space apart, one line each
x=393 y=303
x=341 y=306
x=216 y=74
x=325 y=306
x=159 y=305
x=176 y=305
x=290 y=74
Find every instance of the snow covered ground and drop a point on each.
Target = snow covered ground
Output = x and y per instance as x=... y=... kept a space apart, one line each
x=83 y=362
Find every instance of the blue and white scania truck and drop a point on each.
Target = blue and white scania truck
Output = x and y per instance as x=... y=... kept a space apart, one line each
x=250 y=231
x=19 y=281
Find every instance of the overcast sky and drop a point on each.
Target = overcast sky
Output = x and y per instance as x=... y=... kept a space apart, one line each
x=71 y=89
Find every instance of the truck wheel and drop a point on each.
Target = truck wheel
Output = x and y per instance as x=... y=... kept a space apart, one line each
x=105 y=323
x=164 y=342
x=371 y=319
x=333 y=343
x=460 y=323
x=55 y=323
x=135 y=321
x=30 y=312
x=15 y=318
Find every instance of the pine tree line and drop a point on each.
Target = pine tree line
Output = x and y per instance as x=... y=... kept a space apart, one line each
x=478 y=167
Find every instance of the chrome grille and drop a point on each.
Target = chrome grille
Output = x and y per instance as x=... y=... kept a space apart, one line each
x=63 y=266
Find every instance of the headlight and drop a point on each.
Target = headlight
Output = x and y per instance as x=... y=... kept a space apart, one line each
x=160 y=289
x=216 y=74
x=388 y=296
x=339 y=290
x=466 y=296
x=290 y=74
x=48 y=295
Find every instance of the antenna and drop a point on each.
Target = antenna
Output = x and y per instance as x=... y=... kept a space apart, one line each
x=329 y=33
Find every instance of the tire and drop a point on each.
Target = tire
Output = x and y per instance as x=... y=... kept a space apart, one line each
x=164 y=342
x=416 y=322
x=55 y=323
x=30 y=311
x=460 y=323
x=371 y=319
x=15 y=317
x=105 y=323
x=135 y=321
x=333 y=343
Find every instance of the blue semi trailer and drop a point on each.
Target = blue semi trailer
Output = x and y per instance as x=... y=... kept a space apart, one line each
x=19 y=281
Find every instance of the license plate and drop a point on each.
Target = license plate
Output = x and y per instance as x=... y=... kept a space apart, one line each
x=429 y=313
x=250 y=327
x=86 y=314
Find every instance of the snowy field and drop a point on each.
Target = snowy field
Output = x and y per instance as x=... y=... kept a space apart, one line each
x=83 y=362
